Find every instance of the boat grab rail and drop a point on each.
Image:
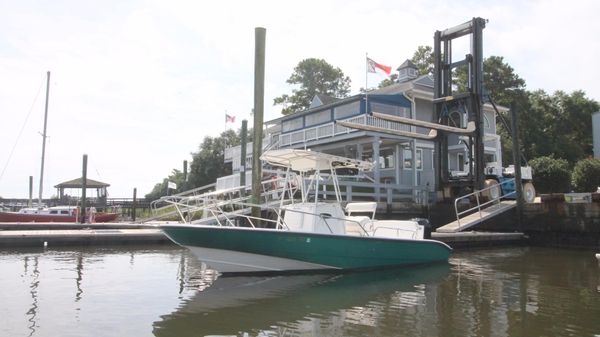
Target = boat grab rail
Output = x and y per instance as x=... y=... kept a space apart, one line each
x=398 y=230
x=479 y=206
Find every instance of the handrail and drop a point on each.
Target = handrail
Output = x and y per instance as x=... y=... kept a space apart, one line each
x=479 y=206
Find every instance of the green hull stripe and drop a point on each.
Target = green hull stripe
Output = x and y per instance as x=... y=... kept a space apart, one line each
x=345 y=252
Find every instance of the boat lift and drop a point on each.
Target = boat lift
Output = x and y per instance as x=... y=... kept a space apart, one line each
x=458 y=113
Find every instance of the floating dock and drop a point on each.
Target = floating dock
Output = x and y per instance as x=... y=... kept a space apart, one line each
x=74 y=234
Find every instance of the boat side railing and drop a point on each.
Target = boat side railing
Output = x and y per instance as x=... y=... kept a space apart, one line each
x=219 y=203
x=479 y=206
x=413 y=233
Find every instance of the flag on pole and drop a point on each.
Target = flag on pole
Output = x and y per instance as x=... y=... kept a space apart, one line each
x=229 y=119
x=171 y=185
x=372 y=67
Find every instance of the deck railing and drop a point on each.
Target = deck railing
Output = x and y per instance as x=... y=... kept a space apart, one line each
x=331 y=130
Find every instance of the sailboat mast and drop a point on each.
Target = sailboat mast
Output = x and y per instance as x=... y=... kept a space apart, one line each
x=44 y=140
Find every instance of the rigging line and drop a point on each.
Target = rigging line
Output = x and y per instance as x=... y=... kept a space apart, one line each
x=12 y=151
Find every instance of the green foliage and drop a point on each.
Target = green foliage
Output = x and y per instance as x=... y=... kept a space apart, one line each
x=423 y=59
x=501 y=82
x=160 y=189
x=207 y=164
x=551 y=175
x=558 y=125
x=314 y=76
x=586 y=175
x=393 y=78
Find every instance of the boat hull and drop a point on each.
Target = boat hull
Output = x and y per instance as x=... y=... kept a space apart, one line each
x=250 y=250
x=20 y=217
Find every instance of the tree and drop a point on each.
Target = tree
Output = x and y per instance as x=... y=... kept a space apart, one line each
x=393 y=78
x=160 y=189
x=208 y=163
x=423 y=59
x=314 y=76
x=586 y=175
x=551 y=175
x=206 y=166
x=558 y=125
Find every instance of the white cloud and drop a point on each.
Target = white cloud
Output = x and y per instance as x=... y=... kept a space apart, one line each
x=138 y=85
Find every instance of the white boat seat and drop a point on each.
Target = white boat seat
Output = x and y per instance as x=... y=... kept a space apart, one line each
x=362 y=207
x=356 y=225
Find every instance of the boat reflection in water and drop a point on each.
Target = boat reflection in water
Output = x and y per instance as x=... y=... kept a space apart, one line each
x=280 y=305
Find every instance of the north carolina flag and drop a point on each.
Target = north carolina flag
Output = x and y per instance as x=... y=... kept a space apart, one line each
x=229 y=119
x=372 y=66
x=171 y=185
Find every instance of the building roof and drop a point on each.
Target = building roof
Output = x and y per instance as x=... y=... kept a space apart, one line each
x=407 y=64
x=326 y=99
x=78 y=183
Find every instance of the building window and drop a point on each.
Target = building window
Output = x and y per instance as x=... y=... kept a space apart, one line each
x=386 y=159
x=460 y=162
x=389 y=109
x=317 y=118
x=346 y=110
x=407 y=159
x=291 y=125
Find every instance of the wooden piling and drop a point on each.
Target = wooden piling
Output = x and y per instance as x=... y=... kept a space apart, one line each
x=259 y=93
x=243 y=157
x=83 y=188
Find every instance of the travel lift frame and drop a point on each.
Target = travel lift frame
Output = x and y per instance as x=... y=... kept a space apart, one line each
x=450 y=110
x=446 y=103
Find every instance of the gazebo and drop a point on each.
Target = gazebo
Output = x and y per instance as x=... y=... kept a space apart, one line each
x=100 y=187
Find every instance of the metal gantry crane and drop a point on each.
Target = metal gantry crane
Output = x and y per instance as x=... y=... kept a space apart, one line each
x=459 y=106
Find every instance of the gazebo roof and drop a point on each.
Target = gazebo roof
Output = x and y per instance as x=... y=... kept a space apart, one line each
x=78 y=183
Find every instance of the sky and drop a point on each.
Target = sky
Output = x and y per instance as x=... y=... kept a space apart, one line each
x=137 y=85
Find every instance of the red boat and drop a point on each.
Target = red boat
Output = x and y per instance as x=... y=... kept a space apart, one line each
x=54 y=214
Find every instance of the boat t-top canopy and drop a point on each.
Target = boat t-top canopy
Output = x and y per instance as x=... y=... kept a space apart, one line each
x=304 y=161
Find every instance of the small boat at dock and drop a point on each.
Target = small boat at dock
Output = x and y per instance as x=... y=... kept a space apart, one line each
x=54 y=214
x=305 y=235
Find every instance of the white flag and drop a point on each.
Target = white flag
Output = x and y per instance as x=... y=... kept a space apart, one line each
x=171 y=185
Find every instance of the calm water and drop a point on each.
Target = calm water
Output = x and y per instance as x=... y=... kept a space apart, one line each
x=163 y=291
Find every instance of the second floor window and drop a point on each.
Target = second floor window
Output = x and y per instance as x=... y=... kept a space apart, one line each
x=291 y=125
x=317 y=118
x=346 y=110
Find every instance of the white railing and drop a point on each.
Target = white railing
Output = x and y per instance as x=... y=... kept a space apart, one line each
x=479 y=206
x=332 y=130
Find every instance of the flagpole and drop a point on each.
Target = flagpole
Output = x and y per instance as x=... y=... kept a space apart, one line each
x=366 y=83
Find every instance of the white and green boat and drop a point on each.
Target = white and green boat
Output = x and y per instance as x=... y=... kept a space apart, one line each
x=301 y=235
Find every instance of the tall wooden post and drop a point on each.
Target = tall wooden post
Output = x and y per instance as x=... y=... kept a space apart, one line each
x=134 y=205
x=259 y=93
x=243 y=156
x=83 y=188
x=185 y=173
x=517 y=160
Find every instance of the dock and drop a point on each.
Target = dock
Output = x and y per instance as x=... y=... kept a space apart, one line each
x=476 y=239
x=71 y=234
x=477 y=217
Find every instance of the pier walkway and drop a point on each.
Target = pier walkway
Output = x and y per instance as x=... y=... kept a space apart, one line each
x=477 y=217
